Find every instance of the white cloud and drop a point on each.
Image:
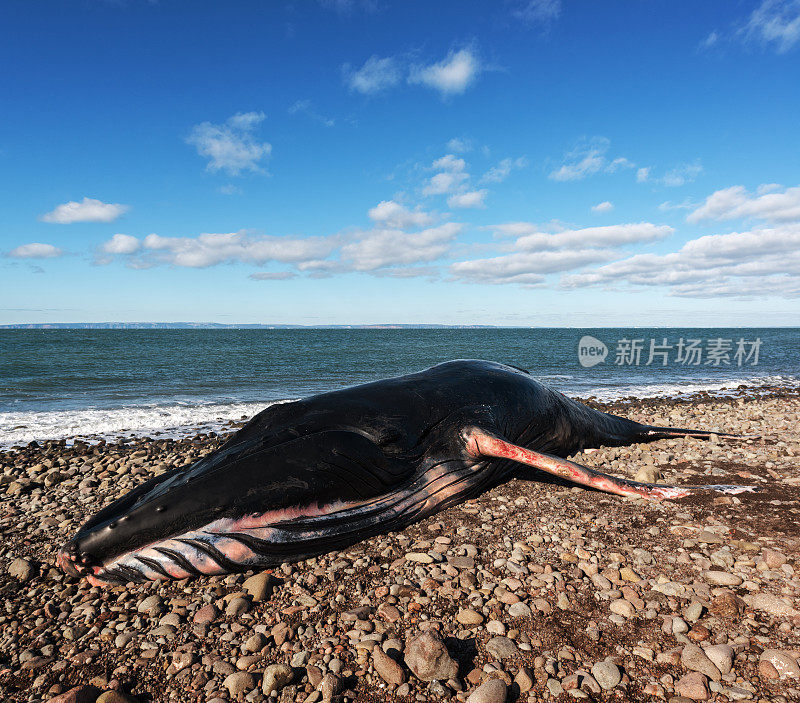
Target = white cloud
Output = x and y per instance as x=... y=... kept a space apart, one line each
x=231 y=146
x=469 y=199
x=121 y=244
x=451 y=179
x=608 y=236
x=526 y=268
x=775 y=22
x=459 y=145
x=588 y=158
x=537 y=11
x=212 y=249
x=754 y=263
x=378 y=248
x=87 y=210
x=534 y=254
x=500 y=171
x=451 y=76
x=772 y=203
x=643 y=174
x=395 y=215
x=449 y=163
x=35 y=250
x=376 y=75
x=605 y=206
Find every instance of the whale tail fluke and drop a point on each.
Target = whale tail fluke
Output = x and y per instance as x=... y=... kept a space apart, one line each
x=482 y=444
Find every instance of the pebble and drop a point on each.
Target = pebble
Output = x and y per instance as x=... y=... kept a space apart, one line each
x=22 y=570
x=722 y=578
x=607 y=674
x=492 y=691
x=783 y=662
x=519 y=610
x=623 y=608
x=428 y=658
x=276 y=676
x=502 y=647
x=693 y=686
x=771 y=604
x=721 y=655
x=260 y=586
x=469 y=617
x=116 y=697
x=695 y=659
x=239 y=683
x=388 y=669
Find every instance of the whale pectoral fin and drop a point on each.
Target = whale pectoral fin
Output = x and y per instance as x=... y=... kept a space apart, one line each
x=483 y=444
x=650 y=433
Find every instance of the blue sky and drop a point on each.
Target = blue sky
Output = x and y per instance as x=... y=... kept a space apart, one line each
x=536 y=162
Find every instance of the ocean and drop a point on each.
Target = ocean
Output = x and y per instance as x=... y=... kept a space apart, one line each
x=70 y=383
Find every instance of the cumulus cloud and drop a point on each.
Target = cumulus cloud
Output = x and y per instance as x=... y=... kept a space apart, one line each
x=378 y=248
x=761 y=261
x=35 y=250
x=533 y=254
x=643 y=174
x=450 y=76
x=212 y=249
x=526 y=268
x=388 y=245
x=393 y=214
x=500 y=171
x=605 y=206
x=452 y=176
x=771 y=202
x=231 y=146
x=376 y=75
x=468 y=199
x=608 y=236
x=775 y=23
x=588 y=158
x=86 y=210
x=121 y=244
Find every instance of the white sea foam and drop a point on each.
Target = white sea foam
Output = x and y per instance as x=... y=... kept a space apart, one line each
x=178 y=420
x=678 y=389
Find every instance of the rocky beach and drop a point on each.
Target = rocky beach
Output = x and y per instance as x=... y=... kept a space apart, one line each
x=534 y=591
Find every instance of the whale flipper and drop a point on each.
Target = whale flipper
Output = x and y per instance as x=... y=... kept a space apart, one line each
x=483 y=444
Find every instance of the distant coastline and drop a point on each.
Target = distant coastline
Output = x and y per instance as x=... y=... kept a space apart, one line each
x=219 y=326
x=385 y=326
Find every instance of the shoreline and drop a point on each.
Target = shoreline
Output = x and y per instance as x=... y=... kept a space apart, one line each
x=557 y=591
x=228 y=425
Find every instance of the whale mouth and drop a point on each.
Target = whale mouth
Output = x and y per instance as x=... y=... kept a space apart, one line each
x=73 y=562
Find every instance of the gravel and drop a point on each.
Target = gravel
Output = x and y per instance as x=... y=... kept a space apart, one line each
x=533 y=586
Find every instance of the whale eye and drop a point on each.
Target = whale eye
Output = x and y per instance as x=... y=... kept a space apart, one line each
x=112 y=525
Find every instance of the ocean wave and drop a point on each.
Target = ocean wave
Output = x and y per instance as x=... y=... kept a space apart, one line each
x=91 y=424
x=679 y=389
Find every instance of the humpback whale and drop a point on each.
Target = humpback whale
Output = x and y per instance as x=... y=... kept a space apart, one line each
x=318 y=474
